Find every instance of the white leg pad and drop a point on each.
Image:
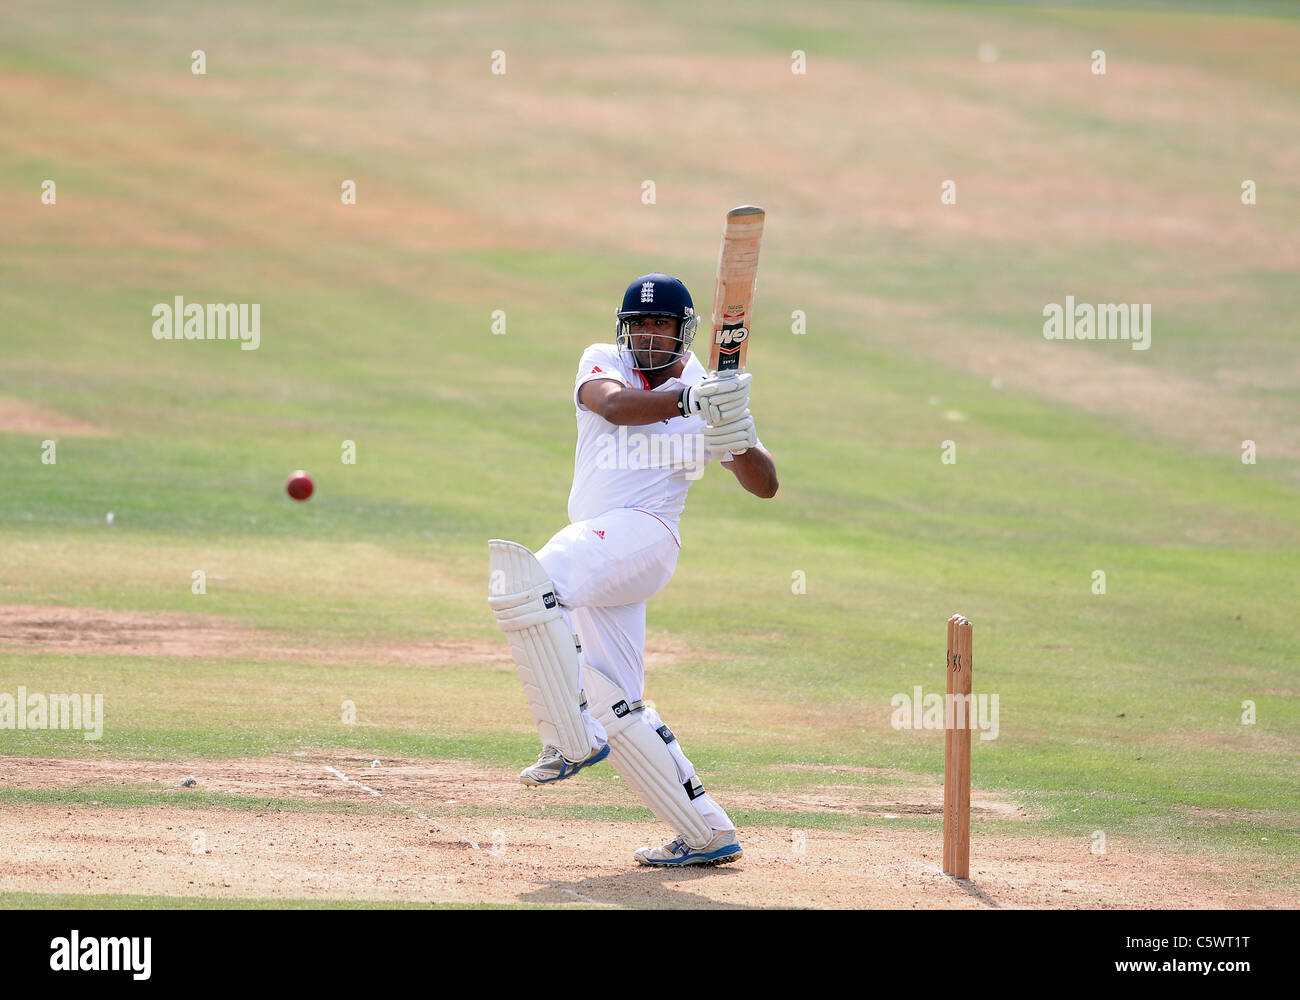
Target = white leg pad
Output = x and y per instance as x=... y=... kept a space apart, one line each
x=641 y=755
x=522 y=597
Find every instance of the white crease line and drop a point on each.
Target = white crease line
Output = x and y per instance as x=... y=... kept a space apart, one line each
x=454 y=832
x=411 y=809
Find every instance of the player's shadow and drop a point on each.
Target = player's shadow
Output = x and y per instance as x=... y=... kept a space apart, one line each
x=643 y=889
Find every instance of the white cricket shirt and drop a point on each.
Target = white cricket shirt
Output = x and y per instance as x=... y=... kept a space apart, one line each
x=649 y=466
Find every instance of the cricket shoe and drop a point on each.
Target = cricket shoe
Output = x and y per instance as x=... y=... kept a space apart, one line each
x=553 y=766
x=723 y=848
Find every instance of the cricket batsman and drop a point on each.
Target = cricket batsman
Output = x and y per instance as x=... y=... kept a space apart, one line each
x=649 y=420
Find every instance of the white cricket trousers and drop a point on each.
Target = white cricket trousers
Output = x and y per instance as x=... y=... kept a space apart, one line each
x=604 y=570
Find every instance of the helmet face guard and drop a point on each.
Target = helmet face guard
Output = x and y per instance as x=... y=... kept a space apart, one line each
x=656 y=295
x=679 y=341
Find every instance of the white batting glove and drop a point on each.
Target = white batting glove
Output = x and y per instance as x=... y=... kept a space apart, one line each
x=719 y=400
x=736 y=437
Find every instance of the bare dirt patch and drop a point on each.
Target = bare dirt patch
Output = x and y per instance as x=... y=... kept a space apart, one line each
x=887 y=802
x=20 y=417
x=1096 y=382
x=102 y=632
x=836 y=769
x=147 y=146
x=96 y=631
x=457 y=853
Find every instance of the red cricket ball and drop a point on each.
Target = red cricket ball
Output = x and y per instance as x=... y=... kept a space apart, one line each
x=299 y=485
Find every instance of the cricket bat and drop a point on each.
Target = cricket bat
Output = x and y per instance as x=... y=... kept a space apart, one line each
x=733 y=295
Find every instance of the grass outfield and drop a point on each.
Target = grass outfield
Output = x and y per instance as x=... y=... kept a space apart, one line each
x=1120 y=712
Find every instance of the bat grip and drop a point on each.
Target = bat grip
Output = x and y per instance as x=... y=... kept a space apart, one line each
x=726 y=375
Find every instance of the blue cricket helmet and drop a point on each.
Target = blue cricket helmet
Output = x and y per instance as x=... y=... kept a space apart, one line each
x=657 y=294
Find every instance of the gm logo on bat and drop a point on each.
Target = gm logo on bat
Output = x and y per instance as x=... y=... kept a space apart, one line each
x=731 y=334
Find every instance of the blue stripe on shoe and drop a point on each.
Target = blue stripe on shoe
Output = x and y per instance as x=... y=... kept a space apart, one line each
x=566 y=773
x=721 y=852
